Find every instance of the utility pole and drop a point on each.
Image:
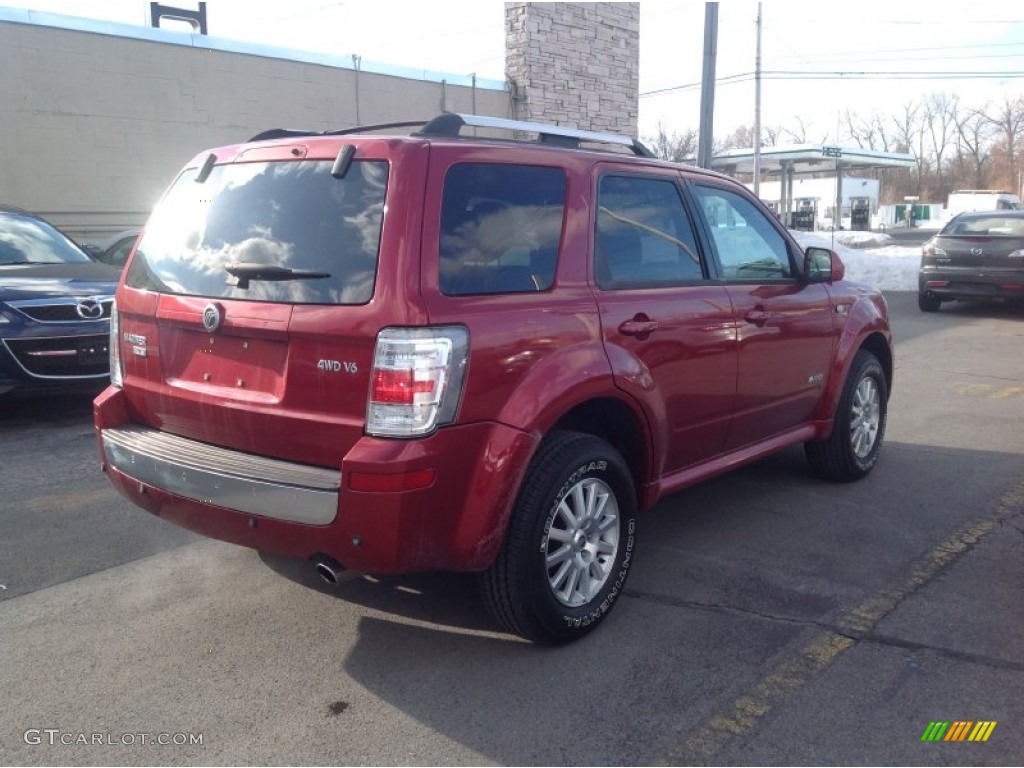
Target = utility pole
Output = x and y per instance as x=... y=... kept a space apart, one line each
x=757 y=108
x=706 y=139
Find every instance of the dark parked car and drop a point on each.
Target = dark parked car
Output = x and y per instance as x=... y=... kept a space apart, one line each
x=55 y=305
x=976 y=255
x=116 y=249
x=406 y=353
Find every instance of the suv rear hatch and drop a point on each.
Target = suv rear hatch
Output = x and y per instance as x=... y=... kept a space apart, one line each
x=251 y=305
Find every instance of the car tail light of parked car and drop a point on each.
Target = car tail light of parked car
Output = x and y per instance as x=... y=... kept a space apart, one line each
x=416 y=380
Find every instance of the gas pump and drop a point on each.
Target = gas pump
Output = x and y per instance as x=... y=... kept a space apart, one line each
x=805 y=214
x=860 y=213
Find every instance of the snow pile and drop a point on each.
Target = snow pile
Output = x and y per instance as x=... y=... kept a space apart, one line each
x=862 y=239
x=888 y=268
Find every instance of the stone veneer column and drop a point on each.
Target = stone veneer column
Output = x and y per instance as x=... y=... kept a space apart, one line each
x=575 y=64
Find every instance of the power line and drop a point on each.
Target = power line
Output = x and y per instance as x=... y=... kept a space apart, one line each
x=842 y=75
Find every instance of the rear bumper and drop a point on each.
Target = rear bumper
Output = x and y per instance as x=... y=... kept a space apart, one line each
x=982 y=283
x=452 y=516
x=222 y=477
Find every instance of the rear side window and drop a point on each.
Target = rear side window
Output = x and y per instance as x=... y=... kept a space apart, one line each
x=500 y=228
x=643 y=237
x=279 y=232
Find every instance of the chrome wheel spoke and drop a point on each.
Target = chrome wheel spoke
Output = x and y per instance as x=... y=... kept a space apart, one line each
x=559 y=555
x=559 y=578
x=606 y=547
x=566 y=514
x=572 y=581
x=560 y=535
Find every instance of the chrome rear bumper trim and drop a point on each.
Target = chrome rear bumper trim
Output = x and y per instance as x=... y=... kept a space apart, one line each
x=210 y=474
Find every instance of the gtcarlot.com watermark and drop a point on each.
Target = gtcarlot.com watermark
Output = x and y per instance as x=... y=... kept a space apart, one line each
x=55 y=737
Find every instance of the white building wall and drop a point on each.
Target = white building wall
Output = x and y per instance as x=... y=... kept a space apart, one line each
x=99 y=117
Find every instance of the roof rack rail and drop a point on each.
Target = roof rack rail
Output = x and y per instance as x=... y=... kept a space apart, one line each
x=450 y=124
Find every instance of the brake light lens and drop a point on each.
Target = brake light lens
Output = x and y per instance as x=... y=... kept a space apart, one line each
x=116 y=374
x=416 y=381
x=930 y=249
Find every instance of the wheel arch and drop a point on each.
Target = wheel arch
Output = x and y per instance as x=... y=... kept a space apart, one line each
x=877 y=345
x=615 y=422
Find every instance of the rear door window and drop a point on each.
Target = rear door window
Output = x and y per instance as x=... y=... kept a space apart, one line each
x=279 y=232
x=643 y=238
x=500 y=228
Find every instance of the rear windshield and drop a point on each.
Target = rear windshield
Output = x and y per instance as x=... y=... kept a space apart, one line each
x=991 y=226
x=317 y=236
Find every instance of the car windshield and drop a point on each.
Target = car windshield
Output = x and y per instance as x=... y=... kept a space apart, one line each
x=28 y=240
x=281 y=232
x=990 y=226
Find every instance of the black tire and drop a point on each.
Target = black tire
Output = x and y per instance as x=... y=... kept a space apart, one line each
x=851 y=451
x=526 y=595
x=928 y=303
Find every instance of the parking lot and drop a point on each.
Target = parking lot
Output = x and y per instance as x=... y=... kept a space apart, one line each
x=770 y=618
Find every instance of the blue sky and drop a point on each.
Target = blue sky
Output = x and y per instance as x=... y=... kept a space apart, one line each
x=826 y=41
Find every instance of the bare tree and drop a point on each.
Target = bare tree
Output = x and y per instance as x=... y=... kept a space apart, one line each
x=1008 y=119
x=975 y=130
x=909 y=128
x=802 y=131
x=771 y=136
x=868 y=133
x=741 y=138
x=676 y=147
x=940 y=117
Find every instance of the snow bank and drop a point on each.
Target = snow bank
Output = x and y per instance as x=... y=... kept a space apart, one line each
x=889 y=268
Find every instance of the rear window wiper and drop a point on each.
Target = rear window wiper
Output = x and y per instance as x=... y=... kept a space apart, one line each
x=242 y=272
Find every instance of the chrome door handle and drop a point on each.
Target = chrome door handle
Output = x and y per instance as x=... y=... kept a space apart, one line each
x=757 y=316
x=638 y=327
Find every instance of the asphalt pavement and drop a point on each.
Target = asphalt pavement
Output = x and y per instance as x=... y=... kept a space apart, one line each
x=771 y=618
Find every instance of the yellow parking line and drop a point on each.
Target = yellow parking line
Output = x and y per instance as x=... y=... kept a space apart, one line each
x=795 y=672
x=1006 y=392
x=66 y=500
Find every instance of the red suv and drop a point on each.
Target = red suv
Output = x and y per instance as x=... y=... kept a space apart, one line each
x=401 y=353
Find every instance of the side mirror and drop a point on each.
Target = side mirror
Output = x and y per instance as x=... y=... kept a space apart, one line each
x=822 y=265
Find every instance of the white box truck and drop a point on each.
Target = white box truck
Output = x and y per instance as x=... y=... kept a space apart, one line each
x=964 y=200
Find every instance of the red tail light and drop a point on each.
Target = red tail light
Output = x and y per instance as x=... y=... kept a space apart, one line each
x=416 y=382
x=399 y=387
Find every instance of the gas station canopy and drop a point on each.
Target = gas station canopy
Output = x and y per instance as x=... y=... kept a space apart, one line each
x=803 y=159
x=808 y=158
